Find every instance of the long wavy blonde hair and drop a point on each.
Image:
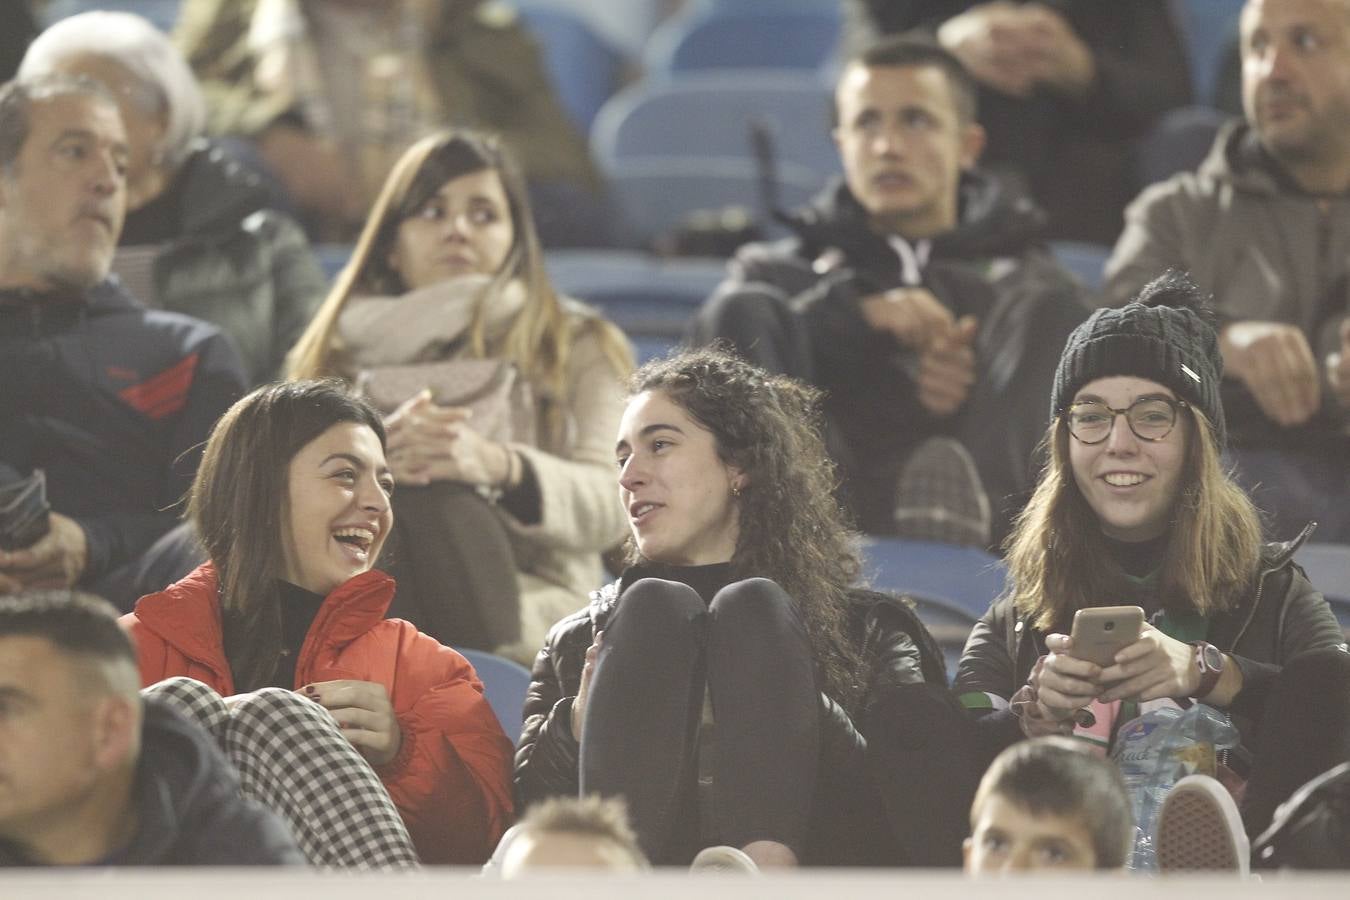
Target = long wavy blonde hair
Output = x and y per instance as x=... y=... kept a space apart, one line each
x=1058 y=556
x=540 y=338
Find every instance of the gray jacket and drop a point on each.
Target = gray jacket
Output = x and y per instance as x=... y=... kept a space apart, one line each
x=235 y=263
x=1265 y=249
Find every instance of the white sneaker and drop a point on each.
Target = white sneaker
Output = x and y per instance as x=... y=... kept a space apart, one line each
x=723 y=859
x=1199 y=829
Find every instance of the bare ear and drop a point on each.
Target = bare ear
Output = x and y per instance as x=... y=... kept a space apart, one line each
x=966 y=846
x=973 y=139
x=117 y=731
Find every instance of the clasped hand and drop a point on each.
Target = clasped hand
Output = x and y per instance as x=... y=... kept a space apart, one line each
x=364 y=715
x=945 y=344
x=1152 y=667
x=429 y=442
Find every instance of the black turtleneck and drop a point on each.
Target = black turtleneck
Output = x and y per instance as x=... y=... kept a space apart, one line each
x=298 y=609
x=705 y=580
x=1139 y=559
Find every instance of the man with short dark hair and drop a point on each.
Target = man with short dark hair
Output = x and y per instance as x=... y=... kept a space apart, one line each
x=92 y=774
x=918 y=296
x=1264 y=224
x=109 y=399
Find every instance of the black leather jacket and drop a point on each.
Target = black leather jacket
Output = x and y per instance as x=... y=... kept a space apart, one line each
x=1281 y=617
x=896 y=646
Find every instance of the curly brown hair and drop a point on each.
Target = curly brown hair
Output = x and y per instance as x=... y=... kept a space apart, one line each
x=793 y=530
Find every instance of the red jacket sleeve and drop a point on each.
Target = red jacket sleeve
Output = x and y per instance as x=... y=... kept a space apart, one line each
x=452 y=777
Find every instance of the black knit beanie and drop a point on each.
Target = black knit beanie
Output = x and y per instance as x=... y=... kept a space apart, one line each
x=1166 y=335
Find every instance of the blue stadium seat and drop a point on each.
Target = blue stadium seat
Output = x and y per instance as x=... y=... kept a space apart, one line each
x=743 y=36
x=712 y=114
x=585 y=70
x=1207 y=27
x=1178 y=142
x=1328 y=568
x=951 y=586
x=656 y=195
x=161 y=13
x=504 y=685
x=1082 y=259
x=651 y=299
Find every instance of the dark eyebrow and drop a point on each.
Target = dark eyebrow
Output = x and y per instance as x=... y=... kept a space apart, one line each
x=659 y=426
x=353 y=459
x=13 y=693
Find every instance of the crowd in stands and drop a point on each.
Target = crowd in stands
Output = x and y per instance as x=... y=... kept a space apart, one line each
x=252 y=508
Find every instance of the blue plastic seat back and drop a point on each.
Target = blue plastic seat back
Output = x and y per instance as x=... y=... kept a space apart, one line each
x=952 y=586
x=1328 y=568
x=656 y=195
x=584 y=68
x=712 y=116
x=505 y=684
x=739 y=36
x=1207 y=27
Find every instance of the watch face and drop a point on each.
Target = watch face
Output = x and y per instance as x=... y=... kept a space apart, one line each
x=1212 y=657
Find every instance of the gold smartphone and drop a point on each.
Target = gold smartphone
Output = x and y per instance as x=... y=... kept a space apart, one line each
x=1102 y=632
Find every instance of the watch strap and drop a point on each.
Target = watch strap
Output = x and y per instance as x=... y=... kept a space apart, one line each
x=1209 y=675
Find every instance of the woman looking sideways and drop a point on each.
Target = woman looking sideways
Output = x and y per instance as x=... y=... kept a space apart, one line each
x=497 y=537
x=740 y=585
x=1134 y=507
x=292 y=505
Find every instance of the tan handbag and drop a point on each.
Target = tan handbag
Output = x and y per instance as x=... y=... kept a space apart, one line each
x=502 y=402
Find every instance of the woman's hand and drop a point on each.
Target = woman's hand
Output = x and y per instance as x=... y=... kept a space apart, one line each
x=587 y=671
x=1066 y=684
x=428 y=442
x=364 y=714
x=1152 y=667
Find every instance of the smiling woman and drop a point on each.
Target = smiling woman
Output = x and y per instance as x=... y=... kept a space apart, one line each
x=292 y=502
x=1134 y=507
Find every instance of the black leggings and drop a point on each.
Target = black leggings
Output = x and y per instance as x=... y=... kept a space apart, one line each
x=904 y=799
x=639 y=737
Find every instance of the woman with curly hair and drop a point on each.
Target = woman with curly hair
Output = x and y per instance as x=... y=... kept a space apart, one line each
x=739 y=581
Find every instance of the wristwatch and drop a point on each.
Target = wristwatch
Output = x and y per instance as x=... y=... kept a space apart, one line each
x=1209 y=660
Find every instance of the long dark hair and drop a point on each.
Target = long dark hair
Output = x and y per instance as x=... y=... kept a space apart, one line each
x=793 y=530
x=238 y=503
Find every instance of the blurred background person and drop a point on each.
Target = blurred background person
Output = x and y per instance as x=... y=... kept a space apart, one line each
x=1065 y=87
x=330 y=93
x=198 y=237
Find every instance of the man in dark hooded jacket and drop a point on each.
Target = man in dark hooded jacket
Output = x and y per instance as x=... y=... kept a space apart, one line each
x=91 y=773
x=918 y=297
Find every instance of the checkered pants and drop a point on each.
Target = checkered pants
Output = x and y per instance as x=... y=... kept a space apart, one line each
x=291 y=757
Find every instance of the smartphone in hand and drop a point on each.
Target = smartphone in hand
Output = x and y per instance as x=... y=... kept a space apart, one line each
x=1102 y=632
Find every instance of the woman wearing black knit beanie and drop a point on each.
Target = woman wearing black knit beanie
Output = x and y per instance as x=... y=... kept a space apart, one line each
x=1134 y=507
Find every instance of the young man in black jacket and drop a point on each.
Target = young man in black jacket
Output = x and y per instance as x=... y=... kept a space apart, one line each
x=111 y=400
x=90 y=774
x=917 y=294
